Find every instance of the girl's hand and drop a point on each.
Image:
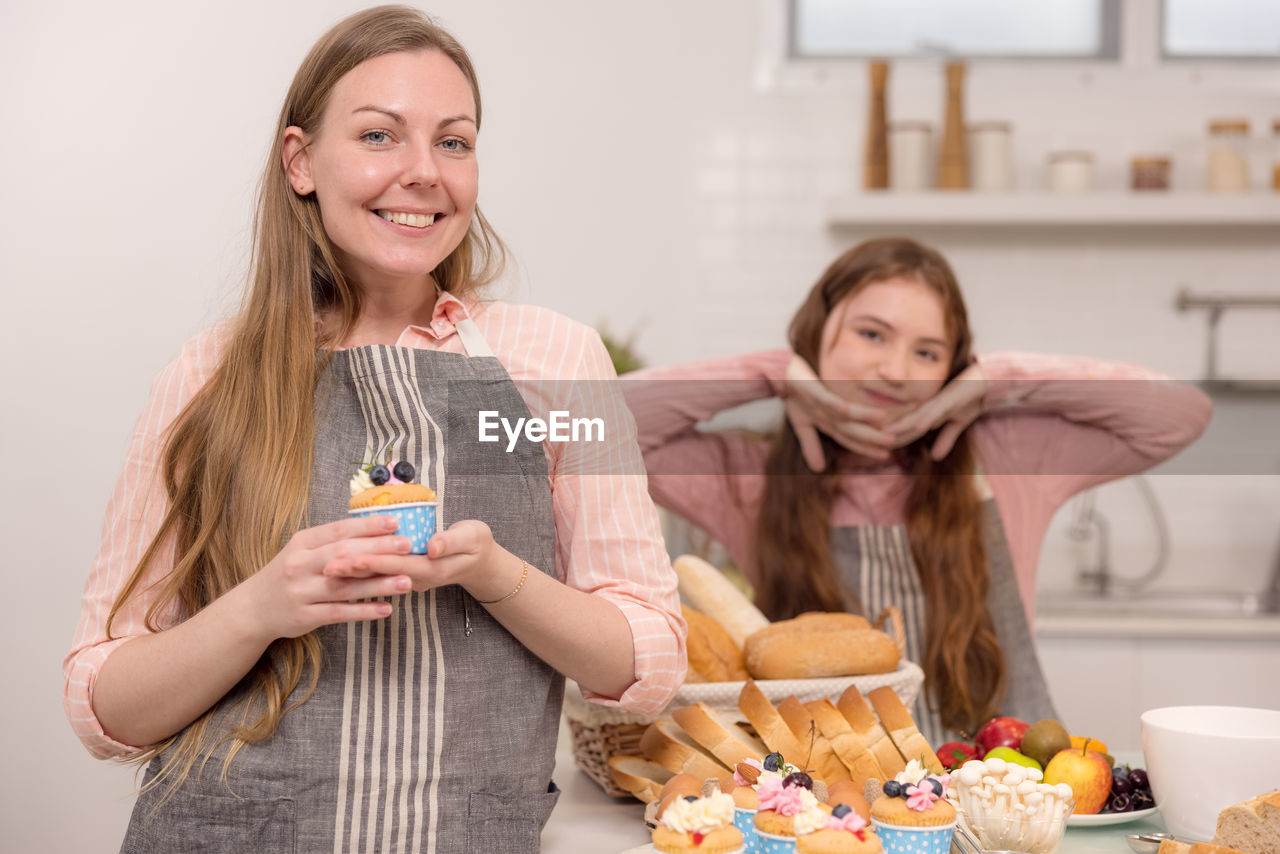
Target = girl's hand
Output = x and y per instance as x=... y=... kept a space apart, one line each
x=812 y=407
x=313 y=580
x=956 y=405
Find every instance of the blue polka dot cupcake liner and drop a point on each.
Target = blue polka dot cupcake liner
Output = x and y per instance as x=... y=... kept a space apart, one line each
x=417 y=521
x=745 y=821
x=771 y=844
x=914 y=840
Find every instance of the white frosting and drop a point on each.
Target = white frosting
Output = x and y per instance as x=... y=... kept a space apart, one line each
x=811 y=817
x=360 y=482
x=912 y=774
x=699 y=816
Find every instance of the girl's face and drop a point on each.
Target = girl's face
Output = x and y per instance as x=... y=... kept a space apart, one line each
x=393 y=166
x=887 y=346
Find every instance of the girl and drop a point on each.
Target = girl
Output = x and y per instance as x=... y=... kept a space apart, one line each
x=909 y=472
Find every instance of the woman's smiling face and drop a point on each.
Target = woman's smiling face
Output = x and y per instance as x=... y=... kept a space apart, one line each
x=887 y=345
x=393 y=165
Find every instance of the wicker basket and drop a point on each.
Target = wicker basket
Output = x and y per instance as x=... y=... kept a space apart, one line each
x=600 y=732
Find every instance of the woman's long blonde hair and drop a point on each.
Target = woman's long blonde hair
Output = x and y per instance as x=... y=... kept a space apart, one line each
x=963 y=664
x=237 y=460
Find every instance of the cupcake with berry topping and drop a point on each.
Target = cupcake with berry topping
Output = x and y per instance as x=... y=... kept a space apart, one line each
x=700 y=824
x=788 y=808
x=388 y=490
x=912 y=816
x=843 y=832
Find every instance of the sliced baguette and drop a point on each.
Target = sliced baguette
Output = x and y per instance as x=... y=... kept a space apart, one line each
x=720 y=734
x=901 y=727
x=706 y=589
x=1172 y=846
x=822 y=758
x=867 y=727
x=639 y=776
x=769 y=725
x=859 y=761
x=1252 y=826
x=669 y=746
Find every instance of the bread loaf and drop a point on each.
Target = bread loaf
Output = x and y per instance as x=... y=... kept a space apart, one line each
x=1252 y=826
x=857 y=759
x=817 y=645
x=666 y=744
x=713 y=656
x=719 y=733
x=897 y=721
x=821 y=759
x=639 y=776
x=869 y=731
x=706 y=589
x=768 y=724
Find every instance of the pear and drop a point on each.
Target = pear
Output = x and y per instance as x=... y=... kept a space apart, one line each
x=1044 y=739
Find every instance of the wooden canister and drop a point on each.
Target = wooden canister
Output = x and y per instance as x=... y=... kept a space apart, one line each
x=875 y=164
x=953 y=154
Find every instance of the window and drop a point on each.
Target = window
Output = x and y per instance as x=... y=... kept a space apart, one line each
x=1220 y=29
x=930 y=29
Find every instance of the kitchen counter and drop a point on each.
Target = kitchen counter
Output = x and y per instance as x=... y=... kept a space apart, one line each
x=587 y=821
x=1052 y=624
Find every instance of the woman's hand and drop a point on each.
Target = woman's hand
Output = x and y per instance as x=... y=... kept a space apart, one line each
x=315 y=577
x=812 y=407
x=465 y=554
x=956 y=405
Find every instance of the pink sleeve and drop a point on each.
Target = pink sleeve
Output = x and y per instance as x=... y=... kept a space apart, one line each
x=713 y=480
x=1082 y=422
x=608 y=538
x=132 y=519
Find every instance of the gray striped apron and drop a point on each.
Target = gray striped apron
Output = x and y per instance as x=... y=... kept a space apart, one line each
x=875 y=561
x=433 y=730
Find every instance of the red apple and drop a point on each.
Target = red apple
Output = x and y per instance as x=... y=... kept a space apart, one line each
x=1086 y=772
x=1000 y=732
x=953 y=754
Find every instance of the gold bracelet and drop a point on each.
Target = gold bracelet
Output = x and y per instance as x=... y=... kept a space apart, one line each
x=523 y=575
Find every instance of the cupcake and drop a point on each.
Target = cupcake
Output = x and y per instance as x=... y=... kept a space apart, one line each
x=379 y=490
x=786 y=809
x=843 y=832
x=911 y=816
x=704 y=825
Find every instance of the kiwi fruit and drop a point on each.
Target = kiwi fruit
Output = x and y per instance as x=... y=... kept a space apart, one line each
x=1043 y=739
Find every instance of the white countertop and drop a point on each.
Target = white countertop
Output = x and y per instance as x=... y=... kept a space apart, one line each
x=1049 y=624
x=587 y=821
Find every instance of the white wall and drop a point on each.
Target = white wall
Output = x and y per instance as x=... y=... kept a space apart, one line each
x=639 y=175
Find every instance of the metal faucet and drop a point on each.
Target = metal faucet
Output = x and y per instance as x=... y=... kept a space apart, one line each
x=1269 y=598
x=1087 y=523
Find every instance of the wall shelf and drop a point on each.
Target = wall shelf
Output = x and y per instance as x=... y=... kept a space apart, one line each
x=965 y=209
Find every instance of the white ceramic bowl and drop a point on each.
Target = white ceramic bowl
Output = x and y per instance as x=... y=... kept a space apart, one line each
x=1202 y=759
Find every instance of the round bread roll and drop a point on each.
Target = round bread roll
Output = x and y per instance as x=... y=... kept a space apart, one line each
x=849 y=793
x=677 y=787
x=816 y=645
x=713 y=656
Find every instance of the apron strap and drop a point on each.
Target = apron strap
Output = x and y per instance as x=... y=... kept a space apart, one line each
x=472 y=341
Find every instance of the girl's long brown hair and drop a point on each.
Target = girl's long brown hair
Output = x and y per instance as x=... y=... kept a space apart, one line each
x=237 y=460
x=963 y=664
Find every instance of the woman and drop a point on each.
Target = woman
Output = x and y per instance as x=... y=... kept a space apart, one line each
x=297 y=680
x=908 y=472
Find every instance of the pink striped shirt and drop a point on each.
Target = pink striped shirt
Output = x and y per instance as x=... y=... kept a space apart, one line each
x=608 y=539
x=1048 y=431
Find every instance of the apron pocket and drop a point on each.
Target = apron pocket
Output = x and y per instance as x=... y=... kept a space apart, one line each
x=505 y=824
x=201 y=823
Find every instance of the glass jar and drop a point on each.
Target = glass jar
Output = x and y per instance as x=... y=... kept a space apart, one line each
x=1150 y=173
x=1275 y=155
x=991 y=157
x=1227 y=166
x=910 y=156
x=1069 y=172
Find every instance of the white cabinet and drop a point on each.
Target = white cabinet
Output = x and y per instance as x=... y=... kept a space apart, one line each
x=1104 y=673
